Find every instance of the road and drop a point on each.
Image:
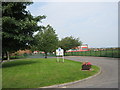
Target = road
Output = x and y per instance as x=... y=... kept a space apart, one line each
x=108 y=78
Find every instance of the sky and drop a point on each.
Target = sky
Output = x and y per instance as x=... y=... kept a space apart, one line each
x=94 y=23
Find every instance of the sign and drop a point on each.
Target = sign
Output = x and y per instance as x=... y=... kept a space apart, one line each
x=59 y=52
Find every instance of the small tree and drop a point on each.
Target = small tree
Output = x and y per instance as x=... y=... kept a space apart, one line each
x=69 y=42
x=46 y=40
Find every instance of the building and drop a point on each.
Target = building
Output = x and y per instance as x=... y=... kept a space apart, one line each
x=21 y=52
x=83 y=47
x=24 y=51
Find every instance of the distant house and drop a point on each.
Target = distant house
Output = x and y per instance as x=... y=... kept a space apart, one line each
x=41 y=52
x=83 y=47
x=24 y=51
x=35 y=52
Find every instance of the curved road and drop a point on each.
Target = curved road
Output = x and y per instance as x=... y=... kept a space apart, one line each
x=108 y=78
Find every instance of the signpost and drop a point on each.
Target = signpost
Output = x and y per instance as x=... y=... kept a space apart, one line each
x=59 y=52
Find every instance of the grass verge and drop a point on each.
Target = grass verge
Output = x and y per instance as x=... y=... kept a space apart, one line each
x=34 y=73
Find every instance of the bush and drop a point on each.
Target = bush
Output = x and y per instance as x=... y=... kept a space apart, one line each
x=16 y=57
x=25 y=54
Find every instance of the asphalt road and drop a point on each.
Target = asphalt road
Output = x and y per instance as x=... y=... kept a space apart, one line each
x=108 y=78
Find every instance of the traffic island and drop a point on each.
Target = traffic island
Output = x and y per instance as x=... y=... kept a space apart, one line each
x=40 y=72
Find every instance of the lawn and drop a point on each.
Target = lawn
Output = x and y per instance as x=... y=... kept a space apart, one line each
x=35 y=73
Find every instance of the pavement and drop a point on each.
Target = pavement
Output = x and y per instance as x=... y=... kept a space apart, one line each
x=39 y=56
x=108 y=78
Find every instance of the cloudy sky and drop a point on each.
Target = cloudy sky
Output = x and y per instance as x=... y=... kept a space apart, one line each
x=95 y=23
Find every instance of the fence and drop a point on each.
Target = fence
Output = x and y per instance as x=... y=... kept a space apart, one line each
x=100 y=52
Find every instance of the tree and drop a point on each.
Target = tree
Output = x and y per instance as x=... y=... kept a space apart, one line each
x=18 y=26
x=69 y=42
x=46 y=40
x=0 y=31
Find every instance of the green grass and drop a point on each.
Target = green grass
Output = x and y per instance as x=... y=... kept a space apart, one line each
x=34 y=73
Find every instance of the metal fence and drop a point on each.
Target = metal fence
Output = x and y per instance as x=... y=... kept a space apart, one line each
x=100 y=52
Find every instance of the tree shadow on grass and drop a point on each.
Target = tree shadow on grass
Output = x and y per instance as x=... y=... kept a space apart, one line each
x=17 y=63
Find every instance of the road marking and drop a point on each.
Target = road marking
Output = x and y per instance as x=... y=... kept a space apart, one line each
x=63 y=87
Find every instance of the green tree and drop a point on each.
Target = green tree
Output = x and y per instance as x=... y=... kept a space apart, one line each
x=47 y=40
x=69 y=42
x=18 y=26
x=0 y=30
